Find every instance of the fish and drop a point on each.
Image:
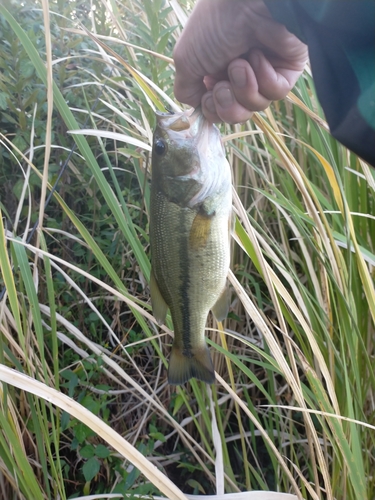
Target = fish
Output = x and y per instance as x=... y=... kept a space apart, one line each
x=190 y=232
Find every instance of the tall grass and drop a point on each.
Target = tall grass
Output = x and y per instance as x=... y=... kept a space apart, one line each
x=292 y=409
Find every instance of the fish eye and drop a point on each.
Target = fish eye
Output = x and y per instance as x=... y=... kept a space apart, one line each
x=160 y=147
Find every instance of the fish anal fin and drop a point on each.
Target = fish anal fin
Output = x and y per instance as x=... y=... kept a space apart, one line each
x=197 y=364
x=159 y=306
x=200 y=230
x=221 y=308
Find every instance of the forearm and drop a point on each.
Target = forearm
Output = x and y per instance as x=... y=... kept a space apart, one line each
x=341 y=40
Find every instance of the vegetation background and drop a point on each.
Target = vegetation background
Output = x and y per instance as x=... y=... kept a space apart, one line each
x=293 y=408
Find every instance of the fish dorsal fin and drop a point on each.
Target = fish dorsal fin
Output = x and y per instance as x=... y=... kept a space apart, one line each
x=159 y=306
x=221 y=308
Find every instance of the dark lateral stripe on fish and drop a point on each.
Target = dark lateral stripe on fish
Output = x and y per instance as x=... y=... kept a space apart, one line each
x=184 y=290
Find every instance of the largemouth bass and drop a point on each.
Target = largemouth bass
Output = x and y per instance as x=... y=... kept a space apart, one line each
x=190 y=226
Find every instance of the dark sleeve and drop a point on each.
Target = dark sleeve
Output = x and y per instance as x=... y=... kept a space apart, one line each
x=340 y=35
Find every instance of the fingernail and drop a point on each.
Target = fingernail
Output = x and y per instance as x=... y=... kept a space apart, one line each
x=210 y=105
x=238 y=77
x=224 y=97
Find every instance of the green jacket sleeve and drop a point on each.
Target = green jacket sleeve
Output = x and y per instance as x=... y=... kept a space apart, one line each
x=341 y=39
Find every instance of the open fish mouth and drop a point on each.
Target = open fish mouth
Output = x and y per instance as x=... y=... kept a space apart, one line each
x=189 y=124
x=177 y=122
x=191 y=119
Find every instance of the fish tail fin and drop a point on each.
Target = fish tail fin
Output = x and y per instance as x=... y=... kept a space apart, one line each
x=198 y=365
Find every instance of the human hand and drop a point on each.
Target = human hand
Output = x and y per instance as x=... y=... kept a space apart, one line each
x=234 y=59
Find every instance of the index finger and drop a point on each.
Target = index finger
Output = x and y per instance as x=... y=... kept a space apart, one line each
x=187 y=88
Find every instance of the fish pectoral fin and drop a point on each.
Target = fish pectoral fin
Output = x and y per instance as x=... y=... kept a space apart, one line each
x=198 y=364
x=200 y=230
x=159 y=306
x=221 y=308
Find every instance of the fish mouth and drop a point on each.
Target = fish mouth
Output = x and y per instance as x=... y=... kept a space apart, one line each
x=177 y=122
x=191 y=123
x=191 y=127
x=205 y=133
x=198 y=122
